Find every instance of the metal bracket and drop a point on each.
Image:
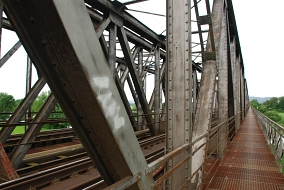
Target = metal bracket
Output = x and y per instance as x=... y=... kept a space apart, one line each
x=202 y=20
x=208 y=56
x=117 y=20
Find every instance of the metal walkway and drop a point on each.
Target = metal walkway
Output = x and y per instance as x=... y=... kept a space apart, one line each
x=249 y=163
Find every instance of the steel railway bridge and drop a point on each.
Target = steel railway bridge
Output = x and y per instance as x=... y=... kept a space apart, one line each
x=89 y=52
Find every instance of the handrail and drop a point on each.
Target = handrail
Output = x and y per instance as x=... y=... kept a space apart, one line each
x=186 y=147
x=274 y=134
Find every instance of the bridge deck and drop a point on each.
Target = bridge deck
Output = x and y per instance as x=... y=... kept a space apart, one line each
x=249 y=163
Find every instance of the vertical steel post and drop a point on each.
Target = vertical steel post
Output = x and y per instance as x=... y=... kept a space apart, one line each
x=231 y=96
x=235 y=68
x=195 y=87
x=222 y=59
x=112 y=48
x=28 y=88
x=242 y=94
x=157 y=88
x=1 y=15
x=139 y=108
x=178 y=87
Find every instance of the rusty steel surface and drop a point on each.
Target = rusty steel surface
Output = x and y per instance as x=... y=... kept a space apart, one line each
x=248 y=163
x=7 y=172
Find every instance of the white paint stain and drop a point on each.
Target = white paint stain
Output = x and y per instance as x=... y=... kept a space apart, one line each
x=110 y=107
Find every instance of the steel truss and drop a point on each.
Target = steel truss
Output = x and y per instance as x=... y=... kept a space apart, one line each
x=88 y=52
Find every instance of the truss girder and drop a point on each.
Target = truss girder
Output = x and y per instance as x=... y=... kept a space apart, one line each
x=33 y=130
x=203 y=116
x=70 y=57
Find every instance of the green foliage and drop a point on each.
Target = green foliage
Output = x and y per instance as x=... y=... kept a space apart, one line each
x=280 y=105
x=273 y=115
x=254 y=103
x=39 y=101
x=272 y=103
x=262 y=108
x=7 y=105
x=272 y=108
x=57 y=112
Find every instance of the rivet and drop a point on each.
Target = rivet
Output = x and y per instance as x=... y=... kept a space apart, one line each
x=32 y=19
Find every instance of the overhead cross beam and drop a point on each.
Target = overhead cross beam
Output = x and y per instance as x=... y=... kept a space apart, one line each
x=133 y=2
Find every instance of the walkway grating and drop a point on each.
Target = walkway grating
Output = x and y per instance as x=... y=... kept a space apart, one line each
x=248 y=163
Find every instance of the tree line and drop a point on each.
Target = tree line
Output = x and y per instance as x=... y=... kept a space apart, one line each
x=272 y=108
x=8 y=104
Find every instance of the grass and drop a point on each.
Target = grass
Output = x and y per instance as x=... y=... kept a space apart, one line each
x=18 y=130
x=21 y=130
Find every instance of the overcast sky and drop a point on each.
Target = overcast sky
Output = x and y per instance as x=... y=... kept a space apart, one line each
x=260 y=31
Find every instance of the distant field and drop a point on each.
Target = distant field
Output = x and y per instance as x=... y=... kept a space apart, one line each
x=21 y=130
x=18 y=130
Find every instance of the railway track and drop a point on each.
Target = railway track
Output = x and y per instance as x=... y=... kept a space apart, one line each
x=77 y=174
x=44 y=138
x=74 y=170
